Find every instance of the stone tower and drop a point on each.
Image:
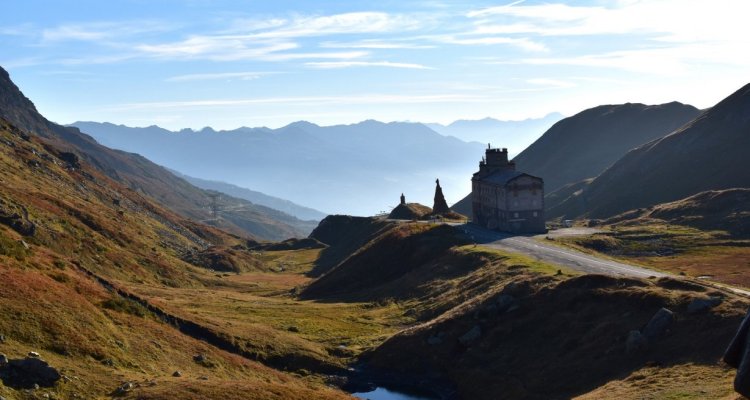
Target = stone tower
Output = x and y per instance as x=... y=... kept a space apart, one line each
x=403 y=199
x=440 y=206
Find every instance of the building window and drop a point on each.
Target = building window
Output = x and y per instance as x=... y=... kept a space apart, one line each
x=515 y=215
x=535 y=214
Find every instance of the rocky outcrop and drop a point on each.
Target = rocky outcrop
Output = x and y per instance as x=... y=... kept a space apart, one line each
x=440 y=206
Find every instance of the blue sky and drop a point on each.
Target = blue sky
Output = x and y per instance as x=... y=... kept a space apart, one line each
x=226 y=64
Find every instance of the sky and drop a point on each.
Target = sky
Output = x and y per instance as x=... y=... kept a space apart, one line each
x=226 y=64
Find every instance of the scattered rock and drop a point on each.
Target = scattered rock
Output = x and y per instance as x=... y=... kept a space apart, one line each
x=3 y=360
x=29 y=373
x=658 y=324
x=699 y=305
x=199 y=358
x=25 y=245
x=33 y=354
x=108 y=362
x=635 y=342
x=124 y=388
x=2 y=338
x=177 y=374
x=293 y=329
x=470 y=336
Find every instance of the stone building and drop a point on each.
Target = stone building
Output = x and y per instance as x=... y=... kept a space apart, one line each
x=505 y=199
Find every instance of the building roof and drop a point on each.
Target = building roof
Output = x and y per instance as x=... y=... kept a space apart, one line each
x=502 y=177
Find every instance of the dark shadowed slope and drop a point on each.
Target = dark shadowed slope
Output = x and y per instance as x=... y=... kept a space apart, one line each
x=709 y=153
x=137 y=172
x=584 y=145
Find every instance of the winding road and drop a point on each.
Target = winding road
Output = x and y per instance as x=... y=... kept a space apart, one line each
x=557 y=255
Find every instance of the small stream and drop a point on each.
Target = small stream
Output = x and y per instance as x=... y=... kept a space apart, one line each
x=381 y=393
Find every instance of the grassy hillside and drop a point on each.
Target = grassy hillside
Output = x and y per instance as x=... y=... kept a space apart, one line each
x=73 y=246
x=706 y=154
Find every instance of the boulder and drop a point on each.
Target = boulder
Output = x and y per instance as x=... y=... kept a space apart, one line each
x=658 y=324
x=28 y=373
x=3 y=360
x=635 y=342
x=199 y=358
x=177 y=374
x=124 y=389
x=470 y=336
x=699 y=305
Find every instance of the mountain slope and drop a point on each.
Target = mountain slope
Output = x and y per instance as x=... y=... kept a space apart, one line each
x=709 y=153
x=285 y=206
x=355 y=169
x=584 y=145
x=135 y=171
x=72 y=242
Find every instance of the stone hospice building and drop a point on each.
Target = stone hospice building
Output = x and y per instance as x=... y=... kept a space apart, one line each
x=505 y=199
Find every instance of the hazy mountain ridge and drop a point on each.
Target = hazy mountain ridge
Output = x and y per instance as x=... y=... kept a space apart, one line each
x=513 y=135
x=356 y=169
x=135 y=171
x=708 y=153
x=258 y=198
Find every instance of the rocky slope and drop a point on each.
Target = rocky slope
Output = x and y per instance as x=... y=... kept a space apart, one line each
x=708 y=153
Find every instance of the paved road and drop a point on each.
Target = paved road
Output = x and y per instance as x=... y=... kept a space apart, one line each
x=552 y=254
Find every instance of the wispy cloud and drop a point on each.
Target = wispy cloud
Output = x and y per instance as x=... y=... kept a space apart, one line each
x=349 y=64
x=305 y=100
x=376 y=44
x=248 y=75
x=101 y=31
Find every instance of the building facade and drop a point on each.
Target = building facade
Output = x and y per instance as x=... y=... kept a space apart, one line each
x=505 y=199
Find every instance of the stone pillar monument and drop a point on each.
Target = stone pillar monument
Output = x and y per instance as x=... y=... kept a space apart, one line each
x=440 y=206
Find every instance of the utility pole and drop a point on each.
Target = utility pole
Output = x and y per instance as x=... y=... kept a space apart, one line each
x=214 y=205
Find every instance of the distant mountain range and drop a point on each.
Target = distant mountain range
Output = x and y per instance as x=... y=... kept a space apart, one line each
x=286 y=206
x=143 y=176
x=513 y=135
x=708 y=153
x=357 y=169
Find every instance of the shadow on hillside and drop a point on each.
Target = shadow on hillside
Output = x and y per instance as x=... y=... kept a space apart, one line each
x=567 y=340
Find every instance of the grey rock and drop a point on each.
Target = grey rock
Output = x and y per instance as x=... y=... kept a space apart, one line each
x=470 y=336
x=33 y=354
x=3 y=360
x=658 y=324
x=2 y=338
x=635 y=342
x=293 y=329
x=124 y=388
x=177 y=374
x=699 y=305
x=199 y=358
